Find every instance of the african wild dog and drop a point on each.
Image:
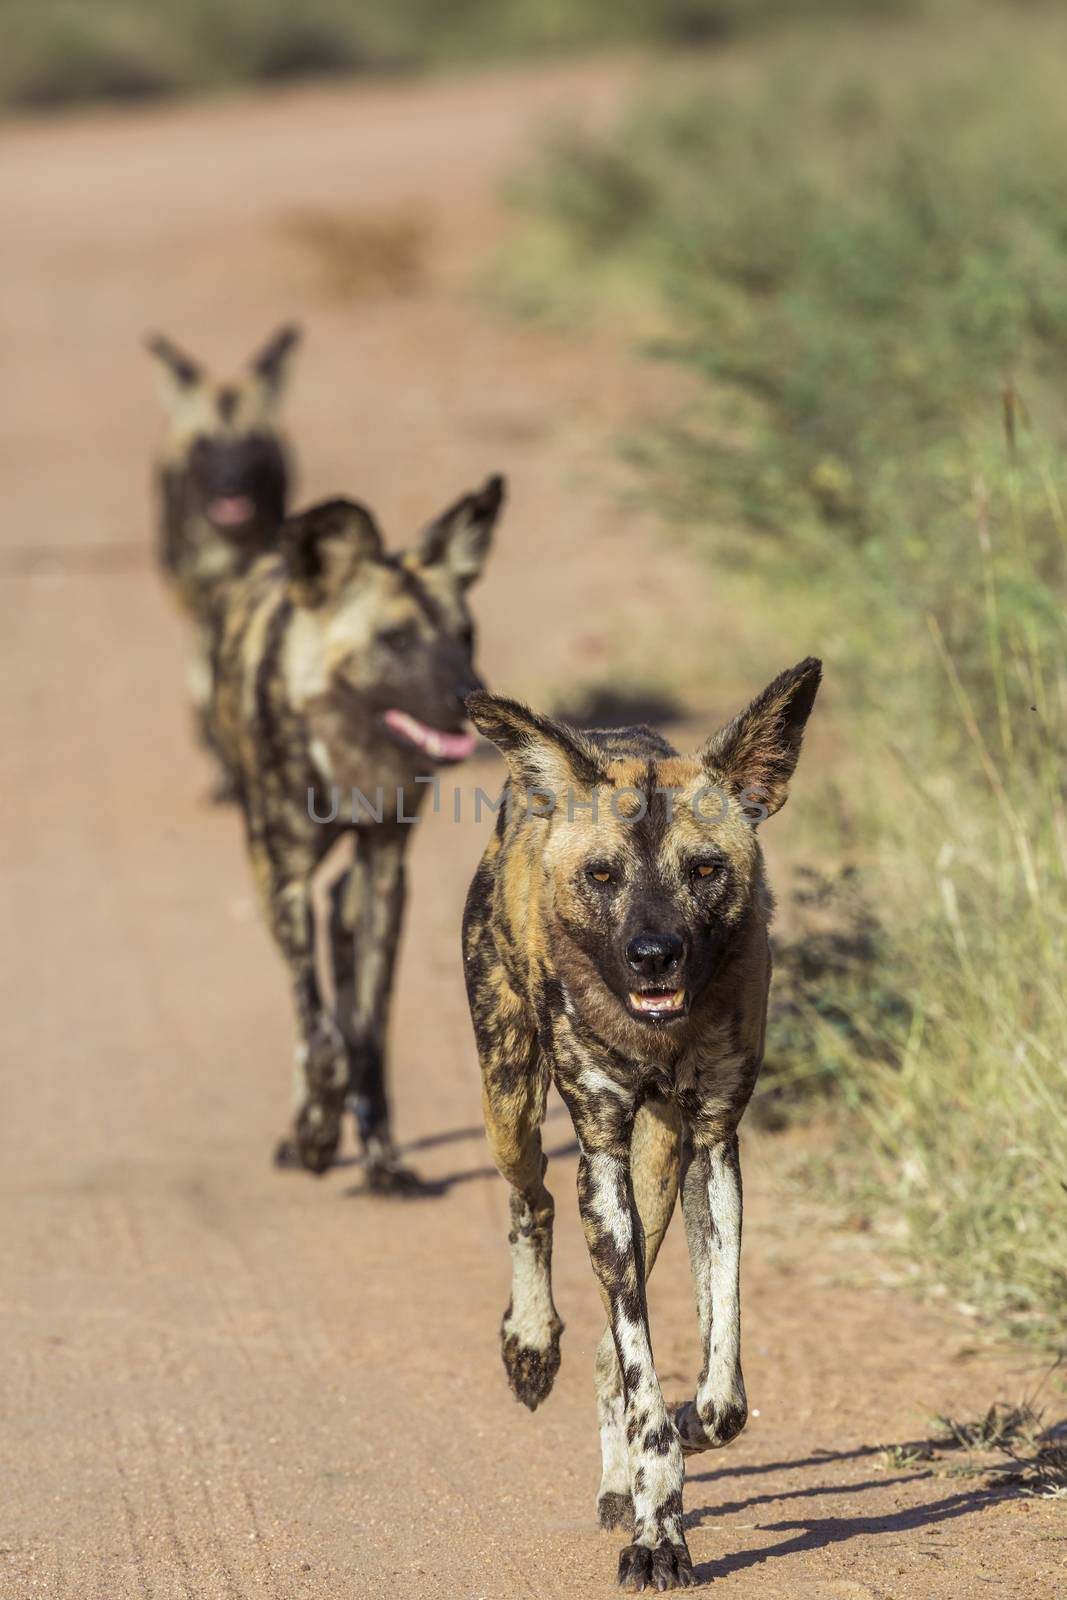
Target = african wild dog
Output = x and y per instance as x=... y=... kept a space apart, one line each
x=615 y=942
x=222 y=479
x=340 y=667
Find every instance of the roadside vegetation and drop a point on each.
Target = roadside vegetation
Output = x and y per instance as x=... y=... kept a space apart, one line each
x=862 y=251
x=58 y=52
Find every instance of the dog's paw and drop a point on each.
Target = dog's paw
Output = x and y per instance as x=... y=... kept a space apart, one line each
x=614 y=1510
x=531 y=1369
x=312 y=1145
x=387 y=1175
x=391 y=1178
x=294 y=1154
x=662 y=1566
x=716 y=1427
x=287 y=1155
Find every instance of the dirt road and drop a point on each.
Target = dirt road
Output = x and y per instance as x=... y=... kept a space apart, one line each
x=219 y=1381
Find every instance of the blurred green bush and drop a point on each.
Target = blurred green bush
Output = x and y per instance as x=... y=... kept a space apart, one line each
x=59 y=51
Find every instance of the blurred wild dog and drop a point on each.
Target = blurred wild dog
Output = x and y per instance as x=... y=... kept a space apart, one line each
x=222 y=478
x=339 y=666
x=615 y=942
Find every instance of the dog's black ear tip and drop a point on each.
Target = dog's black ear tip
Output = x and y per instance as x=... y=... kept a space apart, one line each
x=490 y=497
x=185 y=370
x=269 y=359
x=157 y=344
x=478 y=704
x=493 y=715
x=808 y=671
x=801 y=684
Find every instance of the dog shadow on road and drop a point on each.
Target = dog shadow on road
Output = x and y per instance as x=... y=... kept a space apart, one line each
x=806 y=1534
x=433 y=1188
x=820 y=1533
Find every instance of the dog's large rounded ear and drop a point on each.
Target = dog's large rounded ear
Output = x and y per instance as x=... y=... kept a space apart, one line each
x=178 y=374
x=755 y=755
x=542 y=755
x=270 y=364
x=323 y=547
x=459 y=538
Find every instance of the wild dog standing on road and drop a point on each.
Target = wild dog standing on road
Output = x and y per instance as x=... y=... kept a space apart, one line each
x=615 y=942
x=223 y=486
x=341 y=667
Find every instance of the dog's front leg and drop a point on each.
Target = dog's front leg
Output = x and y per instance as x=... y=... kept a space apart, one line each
x=201 y=684
x=514 y=1089
x=654 y=1164
x=284 y=878
x=659 y=1556
x=711 y=1206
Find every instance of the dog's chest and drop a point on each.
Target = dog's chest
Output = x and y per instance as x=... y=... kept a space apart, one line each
x=710 y=1076
x=203 y=562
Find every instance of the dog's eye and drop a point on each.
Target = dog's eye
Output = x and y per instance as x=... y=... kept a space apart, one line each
x=397 y=639
x=706 y=869
x=599 y=873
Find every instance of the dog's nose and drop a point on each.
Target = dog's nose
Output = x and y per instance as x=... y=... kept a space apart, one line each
x=654 y=955
x=469 y=684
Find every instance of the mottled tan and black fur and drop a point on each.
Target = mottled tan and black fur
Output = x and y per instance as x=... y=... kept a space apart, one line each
x=341 y=667
x=621 y=953
x=222 y=479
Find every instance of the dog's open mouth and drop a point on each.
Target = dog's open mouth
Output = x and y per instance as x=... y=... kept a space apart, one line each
x=231 y=510
x=658 y=1002
x=432 y=742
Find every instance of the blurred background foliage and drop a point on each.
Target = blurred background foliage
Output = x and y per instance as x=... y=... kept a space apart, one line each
x=61 y=51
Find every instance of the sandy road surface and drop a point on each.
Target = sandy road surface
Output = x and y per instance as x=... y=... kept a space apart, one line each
x=222 y=1382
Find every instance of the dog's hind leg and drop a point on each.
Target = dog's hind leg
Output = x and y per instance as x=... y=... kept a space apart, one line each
x=711 y=1205
x=366 y=915
x=284 y=878
x=654 y=1154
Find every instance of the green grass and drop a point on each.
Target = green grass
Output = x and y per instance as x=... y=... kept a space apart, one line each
x=863 y=253
x=61 y=51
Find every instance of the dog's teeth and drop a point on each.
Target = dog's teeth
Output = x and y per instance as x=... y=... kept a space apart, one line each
x=659 y=1002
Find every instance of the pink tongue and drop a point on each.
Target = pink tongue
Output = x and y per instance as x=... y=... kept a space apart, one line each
x=438 y=744
x=456 y=746
x=230 y=509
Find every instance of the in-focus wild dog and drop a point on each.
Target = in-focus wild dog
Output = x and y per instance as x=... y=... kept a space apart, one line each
x=222 y=478
x=340 y=667
x=615 y=942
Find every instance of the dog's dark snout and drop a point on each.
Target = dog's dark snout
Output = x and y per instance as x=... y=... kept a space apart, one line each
x=469 y=683
x=654 y=955
x=224 y=469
